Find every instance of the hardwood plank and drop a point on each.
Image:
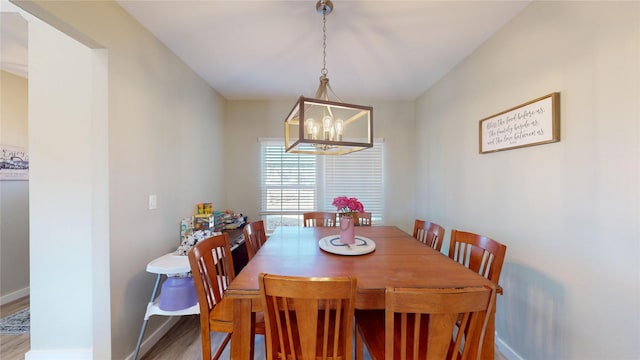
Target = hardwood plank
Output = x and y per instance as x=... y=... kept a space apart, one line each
x=182 y=342
x=13 y=347
x=14 y=306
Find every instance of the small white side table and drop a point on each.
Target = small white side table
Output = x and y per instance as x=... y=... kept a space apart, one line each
x=165 y=265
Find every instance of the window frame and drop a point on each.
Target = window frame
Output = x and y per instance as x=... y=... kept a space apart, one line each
x=371 y=189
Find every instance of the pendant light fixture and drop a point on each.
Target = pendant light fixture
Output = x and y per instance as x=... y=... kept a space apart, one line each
x=327 y=127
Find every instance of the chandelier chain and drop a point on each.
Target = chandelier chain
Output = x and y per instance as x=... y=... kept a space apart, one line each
x=324 y=70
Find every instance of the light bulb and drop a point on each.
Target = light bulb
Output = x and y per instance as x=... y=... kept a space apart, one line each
x=310 y=125
x=327 y=124
x=339 y=127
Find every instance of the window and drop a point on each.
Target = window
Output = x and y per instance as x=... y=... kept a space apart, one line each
x=296 y=183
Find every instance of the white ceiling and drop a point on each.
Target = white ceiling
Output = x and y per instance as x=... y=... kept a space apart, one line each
x=273 y=49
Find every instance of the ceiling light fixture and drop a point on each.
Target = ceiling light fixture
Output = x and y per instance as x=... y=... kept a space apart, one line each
x=322 y=126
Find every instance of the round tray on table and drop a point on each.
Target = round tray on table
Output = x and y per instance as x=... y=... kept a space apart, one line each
x=332 y=244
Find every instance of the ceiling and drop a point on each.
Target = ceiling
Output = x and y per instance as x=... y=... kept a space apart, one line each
x=267 y=49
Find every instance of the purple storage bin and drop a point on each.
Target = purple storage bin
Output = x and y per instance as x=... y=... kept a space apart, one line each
x=178 y=293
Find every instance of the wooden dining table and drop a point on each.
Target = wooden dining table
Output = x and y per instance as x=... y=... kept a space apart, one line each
x=398 y=260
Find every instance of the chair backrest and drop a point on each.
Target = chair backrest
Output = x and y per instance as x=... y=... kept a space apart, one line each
x=429 y=233
x=479 y=253
x=254 y=237
x=362 y=218
x=308 y=318
x=212 y=269
x=319 y=219
x=423 y=321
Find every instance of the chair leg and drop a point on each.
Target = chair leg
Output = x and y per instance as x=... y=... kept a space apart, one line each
x=222 y=346
x=205 y=339
x=359 y=346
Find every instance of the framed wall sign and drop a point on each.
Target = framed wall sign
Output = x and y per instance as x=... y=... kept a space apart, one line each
x=533 y=123
x=14 y=163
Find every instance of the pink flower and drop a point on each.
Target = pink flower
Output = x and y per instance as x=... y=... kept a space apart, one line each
x=347 y=205
x=340 y=202
x=355 y=205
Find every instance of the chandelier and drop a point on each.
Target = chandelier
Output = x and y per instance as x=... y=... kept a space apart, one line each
x=327 y=127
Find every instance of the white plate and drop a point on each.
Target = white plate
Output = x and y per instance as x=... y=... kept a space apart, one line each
x=333 y=245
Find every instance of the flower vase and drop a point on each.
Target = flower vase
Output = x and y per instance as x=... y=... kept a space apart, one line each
x=347 y=234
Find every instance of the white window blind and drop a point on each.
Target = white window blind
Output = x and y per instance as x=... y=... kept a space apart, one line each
x=359 y=175
x=288 y=180
x=296 y=183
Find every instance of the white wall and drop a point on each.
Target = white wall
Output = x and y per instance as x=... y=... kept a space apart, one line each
x=14 y=194
x=164 y=138
x=246 y=121
x=567 y=211
x=67 y=188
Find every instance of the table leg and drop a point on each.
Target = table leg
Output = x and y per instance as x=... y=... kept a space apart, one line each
x=488 y=346
x=243 y=336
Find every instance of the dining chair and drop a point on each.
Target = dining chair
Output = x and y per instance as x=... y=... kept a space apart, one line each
x=419 y=323
x=254 y=237
x=429 y=233
x=362 y=218
x=212 y=268
x=478 y=253
x=319 y=219
x=308 y=317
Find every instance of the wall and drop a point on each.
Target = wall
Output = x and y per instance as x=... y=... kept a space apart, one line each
x=567 y=211
x=164 y=138
x=246 y=121
x=558 y=207
x=65 y=192
x=14 y=195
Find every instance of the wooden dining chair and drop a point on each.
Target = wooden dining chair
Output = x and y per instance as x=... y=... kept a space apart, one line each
x=362 y=218
x=307 y=317
x=478 y=253
x=429 y=233
x=420 y=323
x=212 y=268
x=319 y=219
x=254 y=237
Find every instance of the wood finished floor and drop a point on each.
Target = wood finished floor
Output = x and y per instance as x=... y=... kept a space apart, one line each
x=182 y=342
x=13 y=347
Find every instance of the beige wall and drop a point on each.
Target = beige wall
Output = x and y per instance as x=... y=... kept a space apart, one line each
x=165 y=138
x=246 y=121
x=567 y=211
x=14 y=194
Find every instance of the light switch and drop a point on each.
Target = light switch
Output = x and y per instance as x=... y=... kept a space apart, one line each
x=153 y=202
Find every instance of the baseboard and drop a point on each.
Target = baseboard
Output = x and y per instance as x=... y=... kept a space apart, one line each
x=506 y=350
x=153 y=338
x=5 y=299
x=56 y=354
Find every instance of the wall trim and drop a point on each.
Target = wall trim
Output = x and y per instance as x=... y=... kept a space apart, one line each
x=152 y=339
x=87 y=354
x=58 y=354
x=505 y=349
x=5 y=299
